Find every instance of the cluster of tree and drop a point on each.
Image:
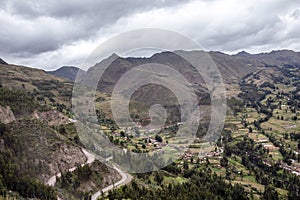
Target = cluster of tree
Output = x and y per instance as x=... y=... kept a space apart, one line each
x=268 y=84
x=47 y=84
x=42 y=94
x=173 y=169
x=21 y=102
x=65 y=93
x=69 y=131
x=71 y=181
x=295 y=136
x=102 y=119
x=287 y=70
x=131 y=160
x=265 y=173
x=12 y=174
x=26 y=187
x=250 y=93
x=201 y=185
x=235 y=104
x=287 y=154
x=81 y=174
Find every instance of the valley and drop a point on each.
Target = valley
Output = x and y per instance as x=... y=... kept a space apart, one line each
x=256 y=157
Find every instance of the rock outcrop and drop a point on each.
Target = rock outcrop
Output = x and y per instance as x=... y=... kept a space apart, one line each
x=6 y=115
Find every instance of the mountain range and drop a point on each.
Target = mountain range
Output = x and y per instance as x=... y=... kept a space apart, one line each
x=232 y=67
x=279 y=57
x=36 y=115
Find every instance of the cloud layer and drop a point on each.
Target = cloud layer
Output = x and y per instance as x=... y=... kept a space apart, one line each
x=49 y=34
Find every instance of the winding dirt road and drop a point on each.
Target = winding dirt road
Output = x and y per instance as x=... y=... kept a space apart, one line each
x=90 y=159
x=126 y=178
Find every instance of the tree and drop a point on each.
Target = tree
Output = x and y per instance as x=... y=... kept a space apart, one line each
x=185 y=165
x=159 y=178
x=228 y=173
x=122 y=133
x=270 y=193
x=2 y=129
x=224 y=162
x=241 y=174
x=76 y=183
x=294 y=118
x=62 y=130
x=84 y=172
x=158 y=138
x=227 y=150
x=250 y=129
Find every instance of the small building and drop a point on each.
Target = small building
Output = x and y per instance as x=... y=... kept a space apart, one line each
x=262 y=141
x=270 y=147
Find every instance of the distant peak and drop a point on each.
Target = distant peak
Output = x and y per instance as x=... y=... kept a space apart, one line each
x=282 y=51
x=68 y=72
x=68 y=67
x=243 y=53
x=114 y=55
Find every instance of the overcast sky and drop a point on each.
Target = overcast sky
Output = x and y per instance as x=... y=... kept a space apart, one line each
x=51 y=33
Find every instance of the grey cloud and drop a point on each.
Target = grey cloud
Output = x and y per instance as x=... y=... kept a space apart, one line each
x=296 y=14
x=105 y=8
x=30 y=37
x=41 y=32
x=32 y=27
x=265 y=27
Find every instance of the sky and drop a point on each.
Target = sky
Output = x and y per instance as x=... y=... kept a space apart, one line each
x=53 y=33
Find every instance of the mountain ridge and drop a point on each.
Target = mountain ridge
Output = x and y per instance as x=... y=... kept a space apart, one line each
x=2 y=62
x=275 y=57
x=230 y=67
x=67 y=72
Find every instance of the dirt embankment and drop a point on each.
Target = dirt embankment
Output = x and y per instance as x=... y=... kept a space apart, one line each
x=64 y=158
x=52 y=117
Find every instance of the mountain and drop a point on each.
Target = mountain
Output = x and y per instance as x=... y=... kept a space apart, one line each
x=33 y=149
x=280 y=57
x=68 y=72
x=38 y=139
x=32 y=103
x=2 y=62
x=231 y=68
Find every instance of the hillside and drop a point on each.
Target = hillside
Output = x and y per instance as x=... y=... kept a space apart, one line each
x=46 y=89
x=67 y=72
x=41 y=150
x=31 y=150
x=37 y=137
